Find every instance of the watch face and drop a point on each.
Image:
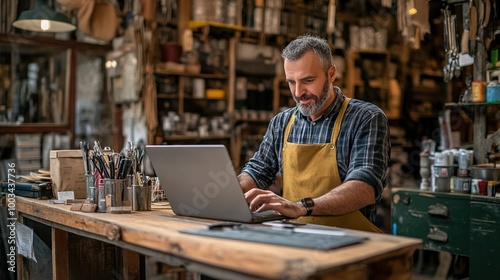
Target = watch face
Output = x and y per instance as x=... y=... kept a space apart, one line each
x=308 y=202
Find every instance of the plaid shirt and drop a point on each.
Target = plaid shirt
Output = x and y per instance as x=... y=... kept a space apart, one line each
x=363 y=145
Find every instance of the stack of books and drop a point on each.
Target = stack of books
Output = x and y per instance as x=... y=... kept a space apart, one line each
x=28 y=153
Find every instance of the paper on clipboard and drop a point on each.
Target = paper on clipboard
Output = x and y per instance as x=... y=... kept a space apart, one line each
x=24 y=240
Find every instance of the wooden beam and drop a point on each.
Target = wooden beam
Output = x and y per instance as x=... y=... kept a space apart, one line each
x=60 y=262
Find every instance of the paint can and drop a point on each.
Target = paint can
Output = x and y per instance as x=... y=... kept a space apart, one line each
x=493 y=91
x=478 y=89
x=461 y=184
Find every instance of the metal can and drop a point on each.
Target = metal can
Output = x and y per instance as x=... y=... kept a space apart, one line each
x=491 y=188
x=493 y=91
x=474 y=186
x=478 y=88
x=101 y=197
x=461 y=184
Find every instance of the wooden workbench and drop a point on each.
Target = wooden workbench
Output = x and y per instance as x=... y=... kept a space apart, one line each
x=155 y=235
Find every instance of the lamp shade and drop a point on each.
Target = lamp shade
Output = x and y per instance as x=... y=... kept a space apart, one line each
x=43 y=19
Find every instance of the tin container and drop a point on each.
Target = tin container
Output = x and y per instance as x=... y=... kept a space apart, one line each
x=478 y=91
x=90 y=188
x=492 y=188
x=493 y=91
x=462 y=184
x=101 y=197
x=442 y=159
x=486 y=171
x=141 y=200
x=465 y=159
x=474 y=186
x=483 y=187
x=441 y=178
x=114 y=189
x=443 y=171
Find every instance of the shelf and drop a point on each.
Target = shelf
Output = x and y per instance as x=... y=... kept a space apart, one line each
x=472 y=104
x=196 y=24
x=53 y=108
x=48 y=42
x=196 y=137
x=369 y=52
x=218 y=29
x=193 y=75
x=248 y=120
x=33 y=128
x=167 y=96
x=186 y=97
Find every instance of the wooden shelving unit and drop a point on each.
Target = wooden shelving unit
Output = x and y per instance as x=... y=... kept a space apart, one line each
x=15 y=45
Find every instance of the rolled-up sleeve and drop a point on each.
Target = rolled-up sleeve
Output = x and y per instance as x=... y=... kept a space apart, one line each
x=370 y=150
x=264 y=164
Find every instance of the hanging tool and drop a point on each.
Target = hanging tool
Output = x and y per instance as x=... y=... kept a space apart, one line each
x=452 y=68
x=465 y=58
x=472 y=21
x=494 y=43
x=84 y=147
x=455 y=65
x=487 y=13
x=449 y=45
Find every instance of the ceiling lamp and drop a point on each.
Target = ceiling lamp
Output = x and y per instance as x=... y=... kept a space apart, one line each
x=43 y=19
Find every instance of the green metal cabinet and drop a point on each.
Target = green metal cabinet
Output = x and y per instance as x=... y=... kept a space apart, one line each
x=484 y=238
x=460 y=224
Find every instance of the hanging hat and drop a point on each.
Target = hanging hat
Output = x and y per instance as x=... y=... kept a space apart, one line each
x=73 y=4
x=96 y=18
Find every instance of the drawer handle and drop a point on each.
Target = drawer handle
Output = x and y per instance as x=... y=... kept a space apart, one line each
x=437 y=235
x=415 y=214
x=438 y=210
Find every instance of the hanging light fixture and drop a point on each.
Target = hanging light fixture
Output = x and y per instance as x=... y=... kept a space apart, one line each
x=43 y=19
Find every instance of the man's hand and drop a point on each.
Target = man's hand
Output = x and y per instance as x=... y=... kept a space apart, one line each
x=261 y=200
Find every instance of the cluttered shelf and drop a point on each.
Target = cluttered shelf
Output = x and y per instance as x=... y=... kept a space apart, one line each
x=50 y=42
x=472 y=104
x=160 y=70
x=196 y=137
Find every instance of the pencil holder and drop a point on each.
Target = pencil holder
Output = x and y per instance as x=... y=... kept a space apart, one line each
x=101 y=197
x=141 y=200
x=116 y=202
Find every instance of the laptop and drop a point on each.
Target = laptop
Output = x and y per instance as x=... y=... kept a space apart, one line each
x=200 y=181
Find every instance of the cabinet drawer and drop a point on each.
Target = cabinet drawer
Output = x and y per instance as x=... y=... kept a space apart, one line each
x=440 y=220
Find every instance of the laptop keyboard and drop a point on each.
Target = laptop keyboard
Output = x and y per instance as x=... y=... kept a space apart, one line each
x=266 y=216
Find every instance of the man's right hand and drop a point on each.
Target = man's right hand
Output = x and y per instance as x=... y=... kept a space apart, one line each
x=263 y=200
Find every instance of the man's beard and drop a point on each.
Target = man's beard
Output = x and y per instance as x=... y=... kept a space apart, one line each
x=312 y=108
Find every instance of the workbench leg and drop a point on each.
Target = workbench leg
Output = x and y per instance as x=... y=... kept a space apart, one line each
x=351 y=272
x=60 y=263
x=156 y=270
x=397 y=268
x=131 y=265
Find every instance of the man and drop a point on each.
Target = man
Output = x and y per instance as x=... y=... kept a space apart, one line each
x=331 y=151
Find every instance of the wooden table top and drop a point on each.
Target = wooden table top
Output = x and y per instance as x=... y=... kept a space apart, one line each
x=158 y=230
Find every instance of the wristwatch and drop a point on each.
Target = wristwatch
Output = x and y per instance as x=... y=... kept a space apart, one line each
x=308 y=204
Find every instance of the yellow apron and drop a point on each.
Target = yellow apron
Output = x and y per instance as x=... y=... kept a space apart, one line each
x=310 y=170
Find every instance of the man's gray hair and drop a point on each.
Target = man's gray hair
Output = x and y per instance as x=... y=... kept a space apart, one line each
x=302 y=44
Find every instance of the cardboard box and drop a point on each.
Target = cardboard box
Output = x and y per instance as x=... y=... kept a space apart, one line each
x=67 y=172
